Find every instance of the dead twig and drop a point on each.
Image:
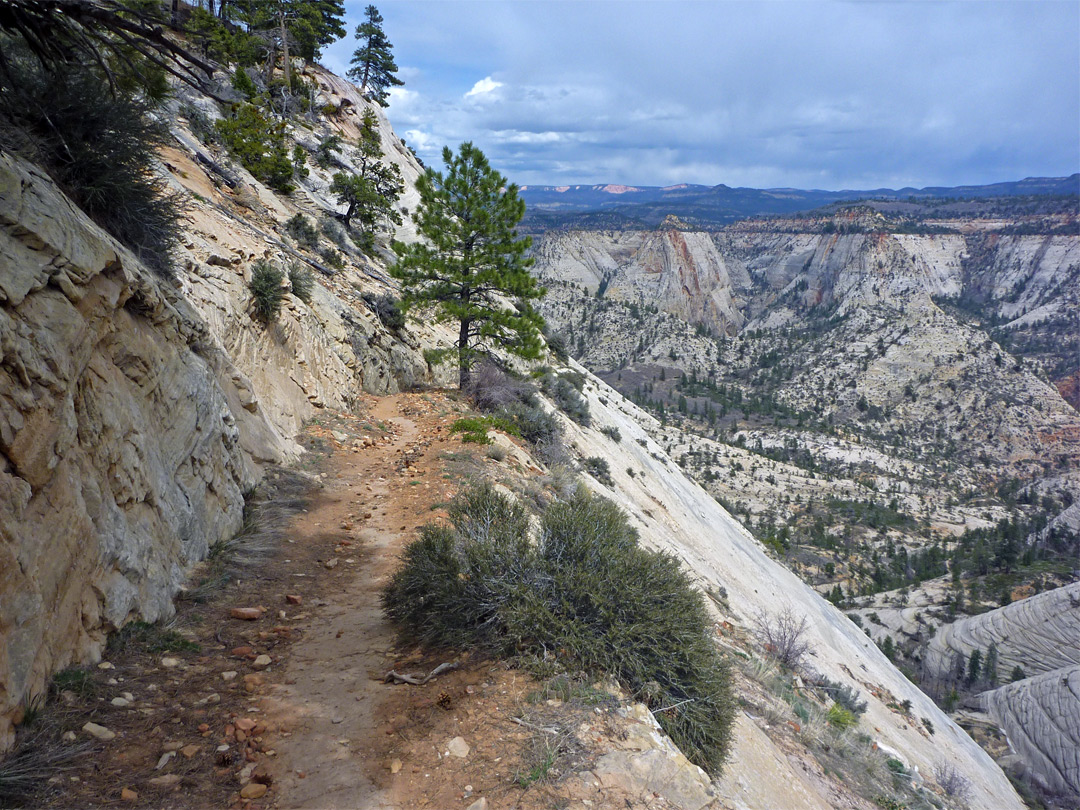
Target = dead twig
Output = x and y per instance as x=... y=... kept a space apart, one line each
x=416 y=680
x=544 y=729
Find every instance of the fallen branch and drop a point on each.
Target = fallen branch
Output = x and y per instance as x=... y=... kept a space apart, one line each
x=417 y=680
x=544 y=729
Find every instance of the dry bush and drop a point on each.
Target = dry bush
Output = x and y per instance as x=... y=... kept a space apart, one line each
x=951 y=781
x=784 y=637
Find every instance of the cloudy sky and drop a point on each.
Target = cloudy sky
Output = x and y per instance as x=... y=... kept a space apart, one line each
x=762 y=94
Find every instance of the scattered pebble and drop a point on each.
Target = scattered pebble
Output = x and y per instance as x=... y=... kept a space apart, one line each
x=129 y=795
x=253 y=790
x=247 y=614
x=170 y=663
x=164 y=760
x=120 y=702
x=261 y=662
x=228 y=675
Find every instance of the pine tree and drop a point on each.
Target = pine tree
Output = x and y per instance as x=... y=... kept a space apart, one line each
x=372 y=194
x=373 y=61
x=989 y=669
x=472 y=260
x=974 y=666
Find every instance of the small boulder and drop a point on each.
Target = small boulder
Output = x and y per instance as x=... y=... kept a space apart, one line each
x=253 y=790
x=99 y=732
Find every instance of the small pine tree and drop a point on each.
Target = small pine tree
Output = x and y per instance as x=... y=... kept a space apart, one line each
x=373 y=62
x=472 y=260
x=888 y=646
x=989 y=669
x=1017 y=674
x=974 y=670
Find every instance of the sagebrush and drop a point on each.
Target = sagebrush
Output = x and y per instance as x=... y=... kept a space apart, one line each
x=583 y=596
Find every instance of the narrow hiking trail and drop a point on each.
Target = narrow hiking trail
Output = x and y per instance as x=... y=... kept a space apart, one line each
x=327 y=703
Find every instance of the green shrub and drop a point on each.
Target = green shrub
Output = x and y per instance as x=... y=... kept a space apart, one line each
x=388 y=310
x=585 y=592
x=567 y=396
x=332 y=258
x=840 y=718
x=243 y=84
x=599 y=469
x=302 y=282
x=266 y=291
x=98 y=145
x=259 y=144
x=612 y=433
x=302 y=231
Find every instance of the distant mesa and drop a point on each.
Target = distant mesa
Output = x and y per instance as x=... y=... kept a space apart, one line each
x=617 y=189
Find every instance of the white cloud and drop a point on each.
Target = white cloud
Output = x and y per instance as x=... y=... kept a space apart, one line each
x=483 y=87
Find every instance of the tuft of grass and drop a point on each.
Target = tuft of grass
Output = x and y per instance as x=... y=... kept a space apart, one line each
x=76 y=680
x=474 y=429
x=303 y=232
x=151 y=638
x=584 y=590
x=266 y=291
x=840 y=718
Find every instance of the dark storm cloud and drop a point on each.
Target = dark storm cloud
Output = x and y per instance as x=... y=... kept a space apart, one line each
x=825 y=95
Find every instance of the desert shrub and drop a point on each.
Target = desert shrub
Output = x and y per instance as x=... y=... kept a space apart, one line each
x=266 y=291
x=612 y=433
x=585 y=591
x=388 y=310
x=953 y=783
x=492 y=389
x=784 y=637
x=335 y=232
x=98 y=145
x=332 y=258
x=75 y=680
x=556 y=341
x=302 y=282
x=199 y=123
x=599 y=469
x=566 y=395
x=844 y=695
x=259 y=145
x=301 y=230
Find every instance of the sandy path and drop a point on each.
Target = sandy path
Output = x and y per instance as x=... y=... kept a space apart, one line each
x=329 y=701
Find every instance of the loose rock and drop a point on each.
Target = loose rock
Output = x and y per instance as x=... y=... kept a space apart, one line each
x=261 y=662
x=458 y=748
x=247 y=614
x=99 y=732
x=253 y=790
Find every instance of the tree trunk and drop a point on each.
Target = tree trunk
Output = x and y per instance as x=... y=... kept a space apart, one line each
x=463 y=355
x=285 y=47
x=175 y=20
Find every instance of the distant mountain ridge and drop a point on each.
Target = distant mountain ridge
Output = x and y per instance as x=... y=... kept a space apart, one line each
x=623 y=206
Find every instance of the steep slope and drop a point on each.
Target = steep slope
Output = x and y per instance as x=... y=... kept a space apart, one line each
x=674 y=514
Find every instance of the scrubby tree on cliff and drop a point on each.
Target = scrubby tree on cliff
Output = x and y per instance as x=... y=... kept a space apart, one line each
x=472 y=266
x=373 y=62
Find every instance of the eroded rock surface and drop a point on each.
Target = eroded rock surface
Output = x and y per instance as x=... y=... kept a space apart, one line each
x=120 y=457
x=1041 y=717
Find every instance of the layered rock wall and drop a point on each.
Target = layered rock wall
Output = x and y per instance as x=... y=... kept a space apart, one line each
x=120 y=456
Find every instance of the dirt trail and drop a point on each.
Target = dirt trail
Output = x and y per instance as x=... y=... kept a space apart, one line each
x=328 y=705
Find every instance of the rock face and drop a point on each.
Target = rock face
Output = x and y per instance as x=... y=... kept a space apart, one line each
x=1041 y=717
x=120 y=457
x=1038 y=634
